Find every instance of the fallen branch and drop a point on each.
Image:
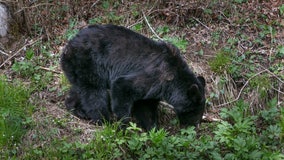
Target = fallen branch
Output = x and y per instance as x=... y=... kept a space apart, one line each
x=271 y=73
x=95 y=3
x=34 y=6
x=146 y=20
x=50 y=70
x=277 y=90
x=2 y=52
x=201 y=23
x=141 y=18
x=24 y=47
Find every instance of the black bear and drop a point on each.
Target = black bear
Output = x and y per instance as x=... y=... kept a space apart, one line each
x=114 y=70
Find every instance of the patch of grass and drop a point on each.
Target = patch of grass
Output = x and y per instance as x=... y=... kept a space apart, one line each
x=15 y=115
x=221 y=62
x=281 y=122
x=262 y=84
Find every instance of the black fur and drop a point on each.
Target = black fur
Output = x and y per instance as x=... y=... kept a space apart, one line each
x=138 y=71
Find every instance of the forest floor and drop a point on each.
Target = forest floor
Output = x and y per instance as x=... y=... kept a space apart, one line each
x=238 y=46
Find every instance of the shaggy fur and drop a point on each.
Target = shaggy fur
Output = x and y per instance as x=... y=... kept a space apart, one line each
x=137 y=71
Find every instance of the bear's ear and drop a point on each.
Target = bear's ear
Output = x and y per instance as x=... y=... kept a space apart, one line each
x=201 y=80
x=194 y=93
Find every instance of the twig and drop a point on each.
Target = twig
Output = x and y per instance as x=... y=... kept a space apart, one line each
x=94 y=3
x=280 y=80
x=239 y=95
x=50 y=70
x=201 y=23
x=4 y=53
x=146 y=20
x=141 y=19
x=279 y=91
x=29 y=44
x=41 y=4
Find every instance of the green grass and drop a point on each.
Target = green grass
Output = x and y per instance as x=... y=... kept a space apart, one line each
x=221 y=62
x=15 y=114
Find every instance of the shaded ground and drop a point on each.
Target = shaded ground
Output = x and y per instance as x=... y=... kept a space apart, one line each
x=250 y=29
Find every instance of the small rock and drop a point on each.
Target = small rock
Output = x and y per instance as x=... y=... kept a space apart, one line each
x=3 y=20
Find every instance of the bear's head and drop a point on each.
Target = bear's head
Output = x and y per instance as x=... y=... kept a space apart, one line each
x=190 y=112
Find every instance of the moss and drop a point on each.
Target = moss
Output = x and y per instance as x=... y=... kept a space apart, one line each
x=221 y=62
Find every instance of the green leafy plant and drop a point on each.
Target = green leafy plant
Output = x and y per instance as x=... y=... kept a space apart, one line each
x=137 y=27
x=215 y=37
x=163 y=30
x=280 y=52
x=236 y=137
x=240 y=137
x=30 y=67
x=179 y=42
x=96 y=20
x=25 y=67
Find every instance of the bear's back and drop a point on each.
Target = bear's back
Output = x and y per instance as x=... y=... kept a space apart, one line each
x=111 y=51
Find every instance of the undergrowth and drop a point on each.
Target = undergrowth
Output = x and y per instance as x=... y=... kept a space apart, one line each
x=238 y=136
x=32 y=66
x=15 y=115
